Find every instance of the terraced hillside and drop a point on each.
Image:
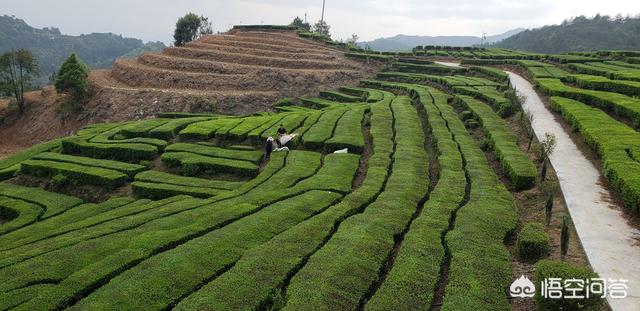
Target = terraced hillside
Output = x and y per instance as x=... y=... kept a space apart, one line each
x=191 y=196
x=184 y=211
x=238 y=72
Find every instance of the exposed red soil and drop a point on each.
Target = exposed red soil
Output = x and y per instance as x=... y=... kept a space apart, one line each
x=37 y=124
x=243 y=71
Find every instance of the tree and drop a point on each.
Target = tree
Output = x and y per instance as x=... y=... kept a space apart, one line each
x=206 y=27
x=72 y=78
x=564 y=237
x=353 y=41
x=548 y=208
x=528 y=124
x=322 y=28
x=17 y=68
x=547 y=146
x=191 y=27
x=298 y=22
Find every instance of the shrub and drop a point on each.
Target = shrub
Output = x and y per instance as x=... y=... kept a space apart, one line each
x=533 y=242
x=132 y=152
x=72 y=78
x=58 y=181
x=546 y=269
x=471 y=124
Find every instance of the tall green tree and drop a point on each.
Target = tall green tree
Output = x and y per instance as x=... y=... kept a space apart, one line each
x=72 y=78
x=298 y=22
x=322 y=28
x=17 y=69
x=191 y=27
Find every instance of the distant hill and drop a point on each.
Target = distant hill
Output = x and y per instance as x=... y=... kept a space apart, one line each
x=579 y=34
x=51 y=47
x=406 y=43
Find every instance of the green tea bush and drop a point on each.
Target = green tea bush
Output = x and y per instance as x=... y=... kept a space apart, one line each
x=533 y=242
x=546 y=269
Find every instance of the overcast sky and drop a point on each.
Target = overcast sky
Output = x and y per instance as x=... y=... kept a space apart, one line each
x=370 y=19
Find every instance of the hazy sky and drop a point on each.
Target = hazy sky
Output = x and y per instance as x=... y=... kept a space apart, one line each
x=370 y=19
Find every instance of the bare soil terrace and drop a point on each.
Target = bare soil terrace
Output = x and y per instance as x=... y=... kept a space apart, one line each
x=239 y=72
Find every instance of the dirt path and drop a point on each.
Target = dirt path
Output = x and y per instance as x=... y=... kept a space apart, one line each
x=610 y=242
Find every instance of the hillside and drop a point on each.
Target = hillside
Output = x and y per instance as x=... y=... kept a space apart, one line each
x=401 y=43
x=579 y=34
x=243 y=71
x=51 y=47
x=185 y=212
x=235 y=73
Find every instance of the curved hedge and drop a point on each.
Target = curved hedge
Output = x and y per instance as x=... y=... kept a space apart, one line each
x=597 y=129
x=617 y=103
x=519 y=169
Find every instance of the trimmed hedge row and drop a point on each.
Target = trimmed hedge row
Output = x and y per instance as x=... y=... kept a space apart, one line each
x=207 y=129
x=340 y=97
x=247 y=125
x=503 y=106
x=78 y=174
x=566 y=58
x=548 y=269
x=256 y=279
x=372 y=96
x=619 y=104
x=194 y=164
x=291 y=122
x=519 y=169
x=147 y=283
x=497 y=74
x=533 y=242
x=547 y=72
x=348 y=132
x=428 y=69
x=217 y=152
x=608 y=71
x=18 y=212
x=178 y=115
x=612 y=140
x=321 y=131
x=128 y=152
x=336 y=173
x=114 y=136
x=166 y=178
x=76 y=238
x=448 y=81
x=478 y=255
x=157 y=191
x=141 y=128
x=363 y=242
x=126 y=168
x=11 y=165
x=53 y=203
x=255 y=135
x=56 y=225
x=171 y=129
x=631 y=88
x=412 y=279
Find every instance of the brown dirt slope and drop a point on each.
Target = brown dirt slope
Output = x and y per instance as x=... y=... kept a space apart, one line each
x=237 y=72
x=242 y=71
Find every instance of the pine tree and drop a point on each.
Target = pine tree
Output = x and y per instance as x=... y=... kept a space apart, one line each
x=564 y=237
x=72 y=78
